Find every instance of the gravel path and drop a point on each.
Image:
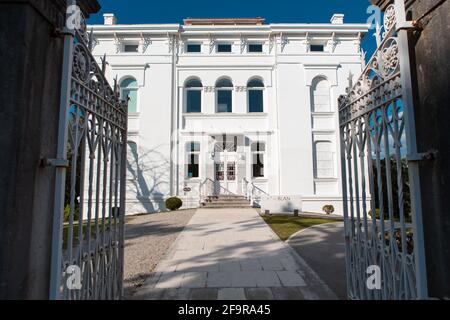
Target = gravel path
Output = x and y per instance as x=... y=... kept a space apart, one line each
x=147 y=239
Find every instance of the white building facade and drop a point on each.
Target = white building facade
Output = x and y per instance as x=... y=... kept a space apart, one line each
x=221 y=106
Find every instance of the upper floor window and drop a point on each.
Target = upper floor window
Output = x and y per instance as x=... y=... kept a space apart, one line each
x=255 y=89
x=224 y=48
x=194 y=89
x=193 y=48
x=129 y=88
x=224 y=97
x=131 y=48
x=193 y=159
x=317 y=48
x=323 y=160
x=255 y=47
x=258 y=151
x=320 y=95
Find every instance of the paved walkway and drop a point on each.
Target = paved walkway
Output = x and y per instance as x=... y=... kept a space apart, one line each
x=323 y=249
x=231 y=254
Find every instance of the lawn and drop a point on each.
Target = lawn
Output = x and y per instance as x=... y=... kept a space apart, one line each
x=286 y=225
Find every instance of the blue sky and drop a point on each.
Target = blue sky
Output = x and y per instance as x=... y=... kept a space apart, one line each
x=274 y=11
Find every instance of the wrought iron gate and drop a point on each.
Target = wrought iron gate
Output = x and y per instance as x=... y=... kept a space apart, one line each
x=382 y=207
x=88 y=236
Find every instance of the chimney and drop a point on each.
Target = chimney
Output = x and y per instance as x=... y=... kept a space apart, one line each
x=337 y=18
x=110 y=19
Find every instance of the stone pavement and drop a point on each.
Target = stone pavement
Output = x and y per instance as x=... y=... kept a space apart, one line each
x=324 y=240
x=231 y=254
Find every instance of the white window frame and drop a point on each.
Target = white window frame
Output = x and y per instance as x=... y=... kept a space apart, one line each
x=136 y=89
x=255 y=43
x=185 y=95
x=263 y=153
x=193 y=43
x=188 y=153
x=224 y=43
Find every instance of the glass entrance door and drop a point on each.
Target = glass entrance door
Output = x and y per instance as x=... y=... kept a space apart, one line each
x=225 y=163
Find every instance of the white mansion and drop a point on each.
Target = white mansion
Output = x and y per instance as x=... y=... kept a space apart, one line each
x=232 y=106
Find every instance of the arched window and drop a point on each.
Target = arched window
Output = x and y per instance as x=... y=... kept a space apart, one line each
x=320 y=95
x=129 y=88
x=323 y=160
x=255 y=89
x=194 y=89
x=224 y=98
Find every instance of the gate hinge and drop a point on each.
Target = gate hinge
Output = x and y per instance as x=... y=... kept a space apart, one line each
x=58 y=163
x=409 y=25
x=423 y=156
x=59 y=33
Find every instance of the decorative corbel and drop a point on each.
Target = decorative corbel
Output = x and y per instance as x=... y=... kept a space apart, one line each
x=171 y=43
x=212 y=43
x=284 y=42
x=332 y=43
x=117 y=42
x=144 y=43
x=271 y=42
x=243 y=44
x=307 y=42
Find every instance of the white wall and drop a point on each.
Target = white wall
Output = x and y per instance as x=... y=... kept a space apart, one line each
x=287 y=124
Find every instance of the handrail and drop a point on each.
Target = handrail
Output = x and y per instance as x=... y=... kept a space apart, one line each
x=250 y=192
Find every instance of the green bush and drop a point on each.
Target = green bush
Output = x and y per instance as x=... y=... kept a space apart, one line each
x=67 y=213
x=173 y=203
x=377 y=214
x=328 y=209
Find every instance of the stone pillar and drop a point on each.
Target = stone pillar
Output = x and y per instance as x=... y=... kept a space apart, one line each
x=30 y=64
x=430 y=49
x=432 y=115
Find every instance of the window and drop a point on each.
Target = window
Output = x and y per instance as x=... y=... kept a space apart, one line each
x=129 y=88
x=131 y=48
x=193 y=155
x=324 y=160
x=258 y=151
x=320 y=96
x=255 y=47
x=193 y=48
x=224 y=48
x=194 y=89
x=255 y=89
x=224 y=95
x=317 y=48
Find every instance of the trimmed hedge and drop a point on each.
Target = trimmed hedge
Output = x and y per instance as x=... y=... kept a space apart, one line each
x=173 y=203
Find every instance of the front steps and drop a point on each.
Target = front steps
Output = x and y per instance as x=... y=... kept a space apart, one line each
x=226 y=201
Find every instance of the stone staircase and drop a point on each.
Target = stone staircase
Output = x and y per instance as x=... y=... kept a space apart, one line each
x=226 y=201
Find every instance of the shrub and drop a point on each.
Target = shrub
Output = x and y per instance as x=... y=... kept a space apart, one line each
x=377 y=214
x=76 y=214
x=173 y=203
x=328 y=209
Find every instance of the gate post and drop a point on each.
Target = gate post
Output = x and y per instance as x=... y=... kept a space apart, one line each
x=431 y=47
x=31 y=64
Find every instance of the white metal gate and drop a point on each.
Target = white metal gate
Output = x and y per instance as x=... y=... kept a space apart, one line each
x=88 y=232
x=382 y=207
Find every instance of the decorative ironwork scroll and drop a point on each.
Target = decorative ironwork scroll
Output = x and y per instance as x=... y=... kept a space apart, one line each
x=381 y=214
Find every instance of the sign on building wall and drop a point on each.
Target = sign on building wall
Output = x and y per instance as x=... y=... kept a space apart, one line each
x=281 y=204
